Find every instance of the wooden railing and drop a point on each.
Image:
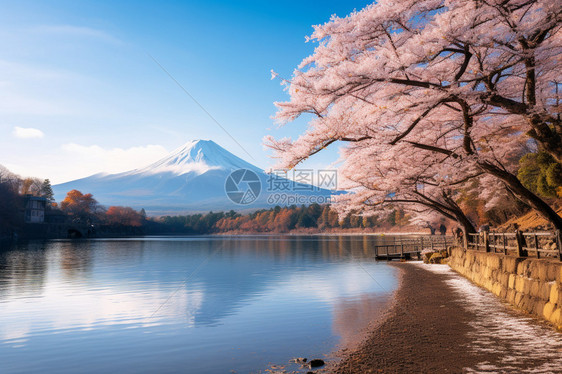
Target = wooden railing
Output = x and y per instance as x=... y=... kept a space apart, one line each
x=407 y=246
x=518 y=243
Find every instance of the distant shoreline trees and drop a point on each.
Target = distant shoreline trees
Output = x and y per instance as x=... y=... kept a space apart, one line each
x=312 y=218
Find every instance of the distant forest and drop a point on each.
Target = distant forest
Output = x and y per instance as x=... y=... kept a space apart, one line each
x=82 y=209
x=275 y=220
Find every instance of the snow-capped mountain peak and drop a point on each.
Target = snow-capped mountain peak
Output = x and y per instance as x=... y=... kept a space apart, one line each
x=197 y=156
x=192 y=178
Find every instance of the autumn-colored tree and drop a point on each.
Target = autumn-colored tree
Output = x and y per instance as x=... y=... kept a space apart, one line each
x=83 y=207
x=118 y=215
x=282 y=222
x=323 y=220
x=31 y=186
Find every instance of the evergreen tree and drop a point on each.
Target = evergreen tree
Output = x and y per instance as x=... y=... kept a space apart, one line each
x=541 y=174
x=47 y=191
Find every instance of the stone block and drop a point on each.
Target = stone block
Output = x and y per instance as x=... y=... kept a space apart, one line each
x=504 y=279
x=545 y=291
x=553 y=270
x=509 y=264
x=548 y=310
x=527 y=286
x=496 y=289
x=518 y=297
x=519 y=284
x=511 y=281
x=526 y=303
x=493 y=261
x=511 y=296
x=522 y=268
x=543 y=271
x=535 y=289
x=533 y=269
x=503 y=293
x=539 y=307
x=555 y=317
x=554 y=293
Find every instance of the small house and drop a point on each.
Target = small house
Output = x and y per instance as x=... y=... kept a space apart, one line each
x=34 y=209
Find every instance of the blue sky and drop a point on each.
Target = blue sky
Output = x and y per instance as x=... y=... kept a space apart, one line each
x=80 y=94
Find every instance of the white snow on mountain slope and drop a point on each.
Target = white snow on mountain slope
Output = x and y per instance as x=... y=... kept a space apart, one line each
x=192 y=178
x=198 y=156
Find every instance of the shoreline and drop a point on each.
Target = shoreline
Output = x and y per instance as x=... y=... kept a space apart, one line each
x=418 y=332
x=440 y=322
x=361 y=338
x=23 y=238
x=405 y=338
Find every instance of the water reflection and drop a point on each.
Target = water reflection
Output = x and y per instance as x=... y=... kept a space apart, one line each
x=353 y=316
x=252 y=299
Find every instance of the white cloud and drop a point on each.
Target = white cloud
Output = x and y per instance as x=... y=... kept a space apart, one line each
x=94 y=159
x=73 y=161
x=27 y=133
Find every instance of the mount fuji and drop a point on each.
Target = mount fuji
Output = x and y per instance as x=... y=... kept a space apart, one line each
x=193 y=178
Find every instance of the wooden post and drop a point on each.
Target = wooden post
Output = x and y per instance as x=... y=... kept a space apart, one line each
x=559 y=244
x=520 y=243
x=431 y=242
x=504 y=244
x=465 y=240
x=401 y=248
x=486 y=241
x=537 y=246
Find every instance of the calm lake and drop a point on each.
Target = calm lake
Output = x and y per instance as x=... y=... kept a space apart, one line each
x=216 y=304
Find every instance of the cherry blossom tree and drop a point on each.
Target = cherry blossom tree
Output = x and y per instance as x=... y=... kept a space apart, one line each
x=458 y=86
x=380 y=177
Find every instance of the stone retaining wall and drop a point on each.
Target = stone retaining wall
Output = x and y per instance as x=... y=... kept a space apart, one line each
x=533 y=285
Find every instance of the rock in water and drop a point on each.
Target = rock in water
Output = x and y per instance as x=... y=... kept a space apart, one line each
x=299 y=360
x=316 y=363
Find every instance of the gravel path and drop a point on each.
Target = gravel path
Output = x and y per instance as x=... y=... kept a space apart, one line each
x=442 y=323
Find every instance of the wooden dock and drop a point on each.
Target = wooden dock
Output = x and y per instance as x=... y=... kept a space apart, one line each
x=409 y=247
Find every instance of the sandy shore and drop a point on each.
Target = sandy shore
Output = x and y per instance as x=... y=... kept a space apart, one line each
x=442 y=323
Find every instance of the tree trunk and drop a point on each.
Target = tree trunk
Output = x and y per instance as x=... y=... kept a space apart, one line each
x=456 y=211
x=467 y=226
x=450 y=209
x=549 y=138
x=523 y=193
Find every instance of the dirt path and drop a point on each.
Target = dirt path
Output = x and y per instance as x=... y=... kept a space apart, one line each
x=442 y=323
